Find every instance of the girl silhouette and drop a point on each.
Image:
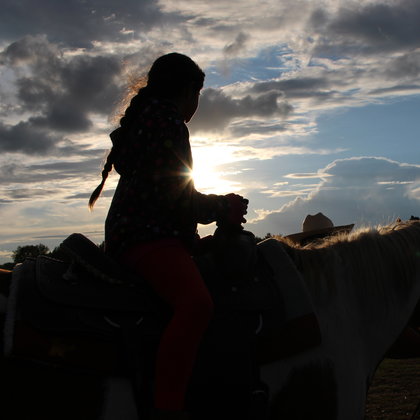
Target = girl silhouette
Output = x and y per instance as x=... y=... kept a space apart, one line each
x=152 y=222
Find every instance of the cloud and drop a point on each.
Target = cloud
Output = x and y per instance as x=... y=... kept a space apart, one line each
x=59 y=93
x=305 y=175
x=77 y=24
x=257 y=128
x=237 y=46
x=24 y=137
x=217 y=109
x=57 y=86
x=35 y=139
x=86 y=195
x=30 y=49
x=365 y=191
x=16 y=177
x=404 y=66
x=27 y=193
x=296 y=87
x=371 y=27
x=61 y=87
x=371 y=169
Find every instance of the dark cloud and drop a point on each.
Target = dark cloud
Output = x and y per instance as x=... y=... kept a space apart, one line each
x=77 y=23
x=405 y=66
x=26 y=138
x=29 y=193
x=204 y=21
x=86 y=195
x=243 y=129
x=63 y=91
x=35 y=137
x=31 y=49
x=68 y=169
x=237 y=46
x=90 y=81
x=299 y=87
x=368 y=29
x=396 y=89
x=217 y=110
x=318 y=19
x=34 y=93
x=59 y=93
x=18 y=173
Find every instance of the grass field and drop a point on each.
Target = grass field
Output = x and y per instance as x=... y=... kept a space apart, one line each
x=395 y=391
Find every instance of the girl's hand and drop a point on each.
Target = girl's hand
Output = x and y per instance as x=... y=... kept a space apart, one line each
x=237 y=208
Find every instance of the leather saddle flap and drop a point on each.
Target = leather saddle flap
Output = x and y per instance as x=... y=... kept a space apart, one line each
x=82 y=290
x=84 y=252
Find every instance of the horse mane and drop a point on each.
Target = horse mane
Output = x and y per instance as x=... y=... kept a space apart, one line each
x=373 y=257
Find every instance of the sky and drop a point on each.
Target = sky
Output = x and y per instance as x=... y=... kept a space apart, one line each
x=308 y=106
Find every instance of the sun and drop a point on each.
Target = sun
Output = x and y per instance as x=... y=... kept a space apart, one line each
x=208 y=175
x=208 y=180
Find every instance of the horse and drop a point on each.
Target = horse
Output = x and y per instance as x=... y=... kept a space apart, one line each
x=364 y=287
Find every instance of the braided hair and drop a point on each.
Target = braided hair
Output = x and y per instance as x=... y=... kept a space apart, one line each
x=167 y=78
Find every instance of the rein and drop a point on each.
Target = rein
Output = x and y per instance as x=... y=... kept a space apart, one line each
x=416 y=412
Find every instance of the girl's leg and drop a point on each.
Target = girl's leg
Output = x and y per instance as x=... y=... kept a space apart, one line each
x=169 y=268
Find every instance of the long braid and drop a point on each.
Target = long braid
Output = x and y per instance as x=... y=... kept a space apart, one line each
x=117 y=138
x=105 y=172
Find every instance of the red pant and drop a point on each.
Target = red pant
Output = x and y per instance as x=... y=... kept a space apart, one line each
x=169 y=268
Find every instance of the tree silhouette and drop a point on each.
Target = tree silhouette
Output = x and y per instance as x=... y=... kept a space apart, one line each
x=29 y=251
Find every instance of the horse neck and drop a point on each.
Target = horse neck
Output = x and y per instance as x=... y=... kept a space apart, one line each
x=370 y=285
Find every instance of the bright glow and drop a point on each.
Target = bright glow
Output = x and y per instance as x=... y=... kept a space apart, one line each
x=207 y=174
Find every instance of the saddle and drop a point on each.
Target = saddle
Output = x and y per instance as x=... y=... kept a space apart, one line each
x=88 y=313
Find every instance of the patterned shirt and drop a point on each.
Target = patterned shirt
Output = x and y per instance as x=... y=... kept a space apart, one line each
x=155 y=197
